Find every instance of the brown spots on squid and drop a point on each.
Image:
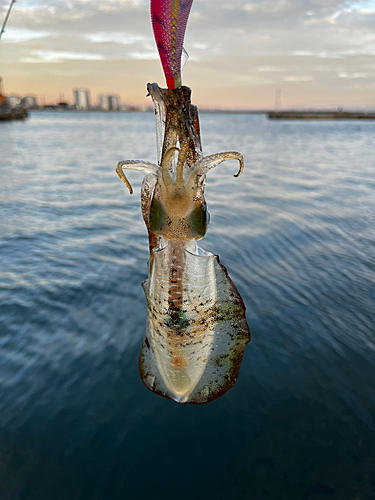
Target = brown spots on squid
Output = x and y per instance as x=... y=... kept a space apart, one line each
x=179 y=362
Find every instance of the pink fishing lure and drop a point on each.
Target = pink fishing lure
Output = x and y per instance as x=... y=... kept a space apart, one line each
x=169 y=19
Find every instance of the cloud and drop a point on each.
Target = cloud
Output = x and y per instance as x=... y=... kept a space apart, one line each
x=219 y=27
x=343 y=74
x=14 y=35
x=243 y=42
x=298 y=78
x=267 y=69
x=41 y=56
x=122 y=38
x=144 y=55
x=266 y=6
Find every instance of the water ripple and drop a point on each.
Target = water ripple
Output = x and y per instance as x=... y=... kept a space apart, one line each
x=296 y=232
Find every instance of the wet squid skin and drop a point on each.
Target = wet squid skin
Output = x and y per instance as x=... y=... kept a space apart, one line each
x=196 y=327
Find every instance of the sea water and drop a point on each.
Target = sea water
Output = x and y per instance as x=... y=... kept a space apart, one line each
x=296 y=232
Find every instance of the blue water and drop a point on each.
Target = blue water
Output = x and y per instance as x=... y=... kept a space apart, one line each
x=297 y=234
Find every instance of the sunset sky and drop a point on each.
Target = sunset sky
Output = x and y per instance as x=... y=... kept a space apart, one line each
x=320 y=53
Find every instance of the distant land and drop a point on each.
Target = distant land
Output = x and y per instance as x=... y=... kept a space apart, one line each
x=290 y=114
x=322 y=114
x=111 y=103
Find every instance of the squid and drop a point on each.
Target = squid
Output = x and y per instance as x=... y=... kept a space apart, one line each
x=196 y=330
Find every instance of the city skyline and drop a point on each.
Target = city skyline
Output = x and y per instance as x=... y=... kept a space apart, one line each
x=108 y=100
x=319 y=53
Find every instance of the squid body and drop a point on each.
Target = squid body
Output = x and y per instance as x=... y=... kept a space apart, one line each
x=196 y=326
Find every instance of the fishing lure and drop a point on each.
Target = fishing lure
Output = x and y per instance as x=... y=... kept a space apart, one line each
x=169 y=19
x=196 y=326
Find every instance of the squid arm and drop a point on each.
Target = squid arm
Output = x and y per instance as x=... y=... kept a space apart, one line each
x=138 y=165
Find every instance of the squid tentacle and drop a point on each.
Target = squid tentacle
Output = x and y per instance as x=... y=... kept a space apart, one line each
x=166 y=176
x=180 y=167
x=138 y=165
x=201 y=167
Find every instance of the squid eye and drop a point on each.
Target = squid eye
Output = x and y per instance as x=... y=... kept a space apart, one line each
x=158 y=215
x=198 y=219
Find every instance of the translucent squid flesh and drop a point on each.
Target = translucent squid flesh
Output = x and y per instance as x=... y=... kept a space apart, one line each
x=196 y=326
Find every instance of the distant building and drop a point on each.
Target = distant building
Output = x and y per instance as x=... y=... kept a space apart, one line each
x=14 y=100
x=82 y=99
x=30 y=101
x=104 y=102
x=114 y=103
x=109 y=103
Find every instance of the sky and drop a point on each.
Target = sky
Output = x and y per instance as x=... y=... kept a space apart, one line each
x=318 y=53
